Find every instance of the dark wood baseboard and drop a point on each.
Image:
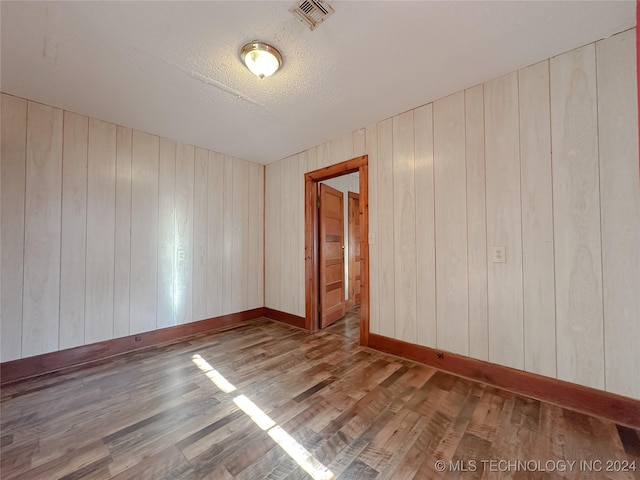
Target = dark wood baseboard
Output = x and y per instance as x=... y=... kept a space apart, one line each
x=285 y=317
x=24 y=368
x=619 y=409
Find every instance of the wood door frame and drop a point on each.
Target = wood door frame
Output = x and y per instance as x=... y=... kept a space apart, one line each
x=351 y=301
x=311 y=254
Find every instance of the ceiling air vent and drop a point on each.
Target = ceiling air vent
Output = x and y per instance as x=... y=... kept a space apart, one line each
x=312 y=12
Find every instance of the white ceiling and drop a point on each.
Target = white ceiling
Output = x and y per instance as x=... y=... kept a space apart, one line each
x=173 y=69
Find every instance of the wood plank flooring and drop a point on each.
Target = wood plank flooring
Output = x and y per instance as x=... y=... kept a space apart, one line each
x=214 y=405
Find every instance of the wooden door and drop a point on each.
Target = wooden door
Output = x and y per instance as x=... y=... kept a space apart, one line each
x=354 y=249
x=331 y=219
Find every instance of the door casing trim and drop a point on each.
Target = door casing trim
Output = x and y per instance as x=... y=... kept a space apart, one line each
x=311 y=255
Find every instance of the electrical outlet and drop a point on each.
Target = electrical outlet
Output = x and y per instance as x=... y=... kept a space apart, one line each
x=499 y=254
x=138 y=338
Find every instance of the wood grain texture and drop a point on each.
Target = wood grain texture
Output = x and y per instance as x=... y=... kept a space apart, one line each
x=476 y=222
x=341 y=149
x=360 y=142
x=285 y=317
x=287 y=264
x=385 y=235
x=331 y=254
x=227 y=221
x=144 y=232
x=354 y=241
x=357 y=164
x=14 y=154
x=311 y=257
x=323 y=155
x=344 y=184
x=101 y=205
x=371 y=138
x=539 y=307
x=361 y=414
x=255 y=255
x=215 y=234
x=166 y=232
x=620 y=204
x=73 y=246
x=576 y=207
x=425 y=227
x=240 y=233
x=404 y=227
x=40 y=328
x=569 y=395
x=449 y=166
x=183 y=289
x=122 y=267
x=365 y=265
x=21 y=369
x=303 y=167
x=272 y=235
x=504 y=225
x=200 y=234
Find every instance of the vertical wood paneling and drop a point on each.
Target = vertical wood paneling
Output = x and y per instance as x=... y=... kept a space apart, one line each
x=215 y=240
x=341 y=149
x=144 y=232
x=576 y=205
x=300 y=284
x=404 y=227
x=122 y=268
x=359 y=142
x=183 y=270
x=371 y=138
x=200 y=219
x=386 y=272
x=476 y=223
x=227 y=261
x=41 y=300
x=255 y=262
x=13 y=157
x=537 y=221
x=240 y=235
x=101 y=213
x=312 y=159
x=620 y=203
x=323 y=155
x=449 y=166
x=74 y=230
x=166 y=232
x=425 y=234
x=287 y=227
x=272 y=239
x=504 y=226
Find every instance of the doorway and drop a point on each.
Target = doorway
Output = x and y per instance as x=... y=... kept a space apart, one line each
x=313 y=304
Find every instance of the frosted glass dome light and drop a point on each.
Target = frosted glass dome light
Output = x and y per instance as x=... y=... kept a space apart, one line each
x=261 y=59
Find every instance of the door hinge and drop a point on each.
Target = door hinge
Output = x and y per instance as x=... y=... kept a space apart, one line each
x=319 y=308
x=318 y=203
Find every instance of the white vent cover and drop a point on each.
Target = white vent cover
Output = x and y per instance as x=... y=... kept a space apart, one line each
x=312 y=12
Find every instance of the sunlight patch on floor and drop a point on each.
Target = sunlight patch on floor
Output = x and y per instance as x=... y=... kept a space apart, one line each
x=297 y=452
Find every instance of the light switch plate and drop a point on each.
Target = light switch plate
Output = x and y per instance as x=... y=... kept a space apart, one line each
x=372 y=238
x=499 y=254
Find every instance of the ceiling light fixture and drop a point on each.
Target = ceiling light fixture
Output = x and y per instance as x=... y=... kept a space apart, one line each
x=261 y=58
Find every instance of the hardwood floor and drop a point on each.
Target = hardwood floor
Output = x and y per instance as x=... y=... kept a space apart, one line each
x=349 y=325
x=269 y=401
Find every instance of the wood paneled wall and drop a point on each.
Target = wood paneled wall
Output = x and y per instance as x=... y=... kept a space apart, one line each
x=544 y=162
x=108 y=231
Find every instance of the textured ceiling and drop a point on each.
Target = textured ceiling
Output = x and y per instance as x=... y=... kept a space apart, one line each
x=172 y=68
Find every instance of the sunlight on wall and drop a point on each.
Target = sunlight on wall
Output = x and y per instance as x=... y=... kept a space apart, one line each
x=289 y=444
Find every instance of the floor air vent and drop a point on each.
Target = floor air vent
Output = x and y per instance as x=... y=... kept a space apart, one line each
x=312 y=12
